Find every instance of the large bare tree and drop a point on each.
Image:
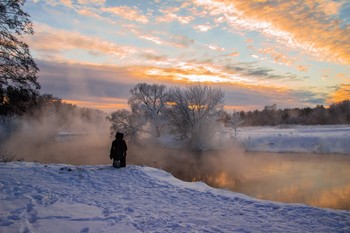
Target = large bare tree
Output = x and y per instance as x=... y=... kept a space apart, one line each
x=18 y=71
x=148 y=101
x=193 y=113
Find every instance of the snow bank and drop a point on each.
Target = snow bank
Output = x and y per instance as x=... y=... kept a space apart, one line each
x=306 y=139
x=64 y=198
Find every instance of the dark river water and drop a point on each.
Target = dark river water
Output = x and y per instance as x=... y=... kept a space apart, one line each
x=313 y=179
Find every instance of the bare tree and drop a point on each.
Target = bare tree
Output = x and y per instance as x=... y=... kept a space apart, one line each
x=126 y=122
x=18 y=70
x=235 y=121
x=193 y=113
x=149 y=101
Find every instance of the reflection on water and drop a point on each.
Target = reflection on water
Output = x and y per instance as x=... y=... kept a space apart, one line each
x=317 y=180
x=312 y=179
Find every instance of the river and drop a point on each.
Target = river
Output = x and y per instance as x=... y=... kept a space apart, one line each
x=321 y=180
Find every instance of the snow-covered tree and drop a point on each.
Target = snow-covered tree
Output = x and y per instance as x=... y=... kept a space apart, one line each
x=193 y=113
x=126 y=122
x=148 y=101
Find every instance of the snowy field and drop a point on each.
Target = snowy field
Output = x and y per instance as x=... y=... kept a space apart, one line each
x=65 y=198
x=300 y=139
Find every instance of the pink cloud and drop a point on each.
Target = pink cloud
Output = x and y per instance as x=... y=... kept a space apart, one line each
x=277 y=57
x=170 y=15
x=48 y=40
x=302 y=68
x=67 y=3
x=128 y=13
x=89 y=13
x=100 y=2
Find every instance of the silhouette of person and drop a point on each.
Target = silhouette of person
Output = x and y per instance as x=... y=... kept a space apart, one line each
x=118 y=151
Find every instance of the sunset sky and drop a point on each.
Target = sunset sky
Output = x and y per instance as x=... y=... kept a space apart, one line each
x=260 y=52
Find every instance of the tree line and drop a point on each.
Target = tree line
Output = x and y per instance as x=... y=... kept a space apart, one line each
x=336 y=113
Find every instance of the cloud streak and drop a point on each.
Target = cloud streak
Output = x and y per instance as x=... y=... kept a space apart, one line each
x=129 y=13
x=49 y=41
x=309 y=26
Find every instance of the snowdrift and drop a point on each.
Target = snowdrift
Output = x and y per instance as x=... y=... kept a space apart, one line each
x=64 y=198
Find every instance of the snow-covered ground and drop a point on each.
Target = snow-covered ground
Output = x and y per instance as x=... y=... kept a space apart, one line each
x=63 y=198
x=301 y=139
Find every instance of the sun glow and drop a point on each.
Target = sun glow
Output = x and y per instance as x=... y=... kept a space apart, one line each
x=103 y=104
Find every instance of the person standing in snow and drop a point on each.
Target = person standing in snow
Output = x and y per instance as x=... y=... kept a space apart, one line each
x=118 y=151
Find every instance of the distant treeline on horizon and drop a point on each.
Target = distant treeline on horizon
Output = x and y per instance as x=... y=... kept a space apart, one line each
x=337 y=113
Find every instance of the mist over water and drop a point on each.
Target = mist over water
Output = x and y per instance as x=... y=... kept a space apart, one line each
x=313 y=179
x=57 y=139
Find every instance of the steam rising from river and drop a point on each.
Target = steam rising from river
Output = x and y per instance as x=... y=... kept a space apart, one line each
x=57 y=140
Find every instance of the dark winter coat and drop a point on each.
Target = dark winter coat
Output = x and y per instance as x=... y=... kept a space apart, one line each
x=119 y=148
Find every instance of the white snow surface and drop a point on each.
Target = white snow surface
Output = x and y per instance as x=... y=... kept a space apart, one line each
x=326 y=139
x=65 y=198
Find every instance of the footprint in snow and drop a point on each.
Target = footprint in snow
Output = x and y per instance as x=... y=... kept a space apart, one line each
x=130 y=210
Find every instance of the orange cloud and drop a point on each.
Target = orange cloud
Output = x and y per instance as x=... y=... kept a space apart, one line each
x=67 y=3
x=166 y=40
x=132 y=14
x=100 y=2
x=342 y=93
x=103 y=104
x=170 y=15
x=302 y=68
x=87 y=12
x=293 y=24
x=277 y=57
x=325 y=6
x=234 y=54
x=243 y=107
x=341 y=76
x=249 y=92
